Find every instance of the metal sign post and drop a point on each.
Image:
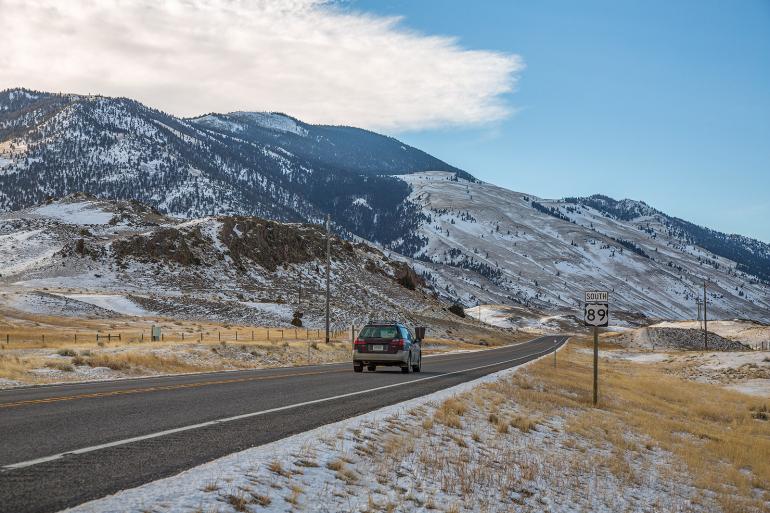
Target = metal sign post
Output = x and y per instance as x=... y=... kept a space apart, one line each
x=596 y=313
x=596 y=365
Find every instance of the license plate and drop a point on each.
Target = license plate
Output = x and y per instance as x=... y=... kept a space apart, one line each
x=378 y=347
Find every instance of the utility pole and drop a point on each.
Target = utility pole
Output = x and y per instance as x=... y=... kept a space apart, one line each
x=328 y=272
x=705 y=319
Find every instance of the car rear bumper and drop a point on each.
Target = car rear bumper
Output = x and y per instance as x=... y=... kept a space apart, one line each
x=381 y=358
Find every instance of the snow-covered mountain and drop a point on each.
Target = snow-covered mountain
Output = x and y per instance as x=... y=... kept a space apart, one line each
x=263 y=164
x=474 y=242
x=520 y=249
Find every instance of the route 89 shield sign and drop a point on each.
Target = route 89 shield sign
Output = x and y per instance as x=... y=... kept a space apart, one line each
x=597 y=314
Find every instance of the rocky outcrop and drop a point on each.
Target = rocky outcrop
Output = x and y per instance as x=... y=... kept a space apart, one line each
x=677 y=338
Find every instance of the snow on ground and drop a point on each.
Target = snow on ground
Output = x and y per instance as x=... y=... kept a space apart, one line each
x=396 y=459
x=49 y=304
x=281 y=311
x=114 y=302
x=746 y=332
x=543 y=261
x=636 y=357
x=747 y=372
x=80 y=213
x=25 y=251
x=496 y=315
x=743 y=371
x=758 y=387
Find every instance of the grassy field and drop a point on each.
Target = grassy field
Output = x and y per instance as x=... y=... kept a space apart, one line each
x=721 y=437
x=671 y=444
x=45 y=349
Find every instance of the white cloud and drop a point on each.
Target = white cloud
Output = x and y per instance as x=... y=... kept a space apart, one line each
x=307 y=58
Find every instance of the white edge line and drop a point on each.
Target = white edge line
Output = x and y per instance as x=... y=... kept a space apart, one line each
x=84 y=450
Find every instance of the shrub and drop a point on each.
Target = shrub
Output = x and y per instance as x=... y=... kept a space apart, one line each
x=457 y=309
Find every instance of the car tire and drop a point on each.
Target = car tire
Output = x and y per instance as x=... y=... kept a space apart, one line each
x=358 y=367
x=418 y=367
x=408 y=366
x=371 y=368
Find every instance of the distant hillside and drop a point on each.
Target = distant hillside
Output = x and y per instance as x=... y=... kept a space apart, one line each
x=750 y=255
x=80 y=256
x=485 y=244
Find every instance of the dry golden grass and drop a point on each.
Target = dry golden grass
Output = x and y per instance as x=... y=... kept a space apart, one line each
x=335 y=465
x=26 y=339
x=129 y=361
x=238 y=501
x=523 y=423
x=276 y=468
x=16 y=368
x=450 y=411
x=22 y=330
x=262 y=500
x=712 y=430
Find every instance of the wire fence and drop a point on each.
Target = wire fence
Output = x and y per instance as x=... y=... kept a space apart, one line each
x=32 y=339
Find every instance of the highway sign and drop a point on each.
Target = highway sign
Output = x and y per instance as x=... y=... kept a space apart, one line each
x=597 y=296
x=596 y=314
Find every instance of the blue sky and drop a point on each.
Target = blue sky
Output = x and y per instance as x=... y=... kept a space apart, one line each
x=666 y=102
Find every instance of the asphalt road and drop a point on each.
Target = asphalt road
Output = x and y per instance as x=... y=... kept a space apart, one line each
x=62 y=445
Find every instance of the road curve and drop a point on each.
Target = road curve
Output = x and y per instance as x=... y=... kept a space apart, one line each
x=66 y=444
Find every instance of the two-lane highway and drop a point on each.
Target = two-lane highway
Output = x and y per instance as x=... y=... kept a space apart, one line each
x=66 y=444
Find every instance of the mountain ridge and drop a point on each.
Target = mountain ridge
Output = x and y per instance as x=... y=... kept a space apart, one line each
x=376 y=189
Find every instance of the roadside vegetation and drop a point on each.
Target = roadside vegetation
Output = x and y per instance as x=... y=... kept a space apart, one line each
x=528 y=440
x=46 y=349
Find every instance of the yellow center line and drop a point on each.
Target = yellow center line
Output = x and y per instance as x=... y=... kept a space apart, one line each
x=161 y=388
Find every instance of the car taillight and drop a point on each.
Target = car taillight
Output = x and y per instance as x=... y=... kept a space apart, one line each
x=397 y=343
x=359 y=342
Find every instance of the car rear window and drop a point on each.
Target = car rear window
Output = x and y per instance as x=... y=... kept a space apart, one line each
x=379 y=332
